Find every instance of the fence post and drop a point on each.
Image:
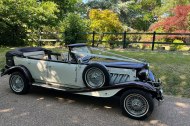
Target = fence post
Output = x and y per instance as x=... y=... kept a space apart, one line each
x=93 y=38
x=153 y=40
x=124 y=39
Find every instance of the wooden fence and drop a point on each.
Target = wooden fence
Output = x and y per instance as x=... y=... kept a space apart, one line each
x=124 y=41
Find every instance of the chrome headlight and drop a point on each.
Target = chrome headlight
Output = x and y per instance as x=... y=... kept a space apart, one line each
x=143 y=74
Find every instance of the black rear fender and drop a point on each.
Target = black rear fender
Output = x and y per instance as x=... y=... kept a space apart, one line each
x=18 y=68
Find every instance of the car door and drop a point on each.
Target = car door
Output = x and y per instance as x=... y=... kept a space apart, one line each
x=62 y=73
x=38 y=69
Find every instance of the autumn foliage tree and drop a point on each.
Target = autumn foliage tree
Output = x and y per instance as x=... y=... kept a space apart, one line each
x=176 y=23
x=105 y=21
x=188 y=21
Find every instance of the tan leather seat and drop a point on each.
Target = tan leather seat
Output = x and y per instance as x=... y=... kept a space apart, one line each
x=36 y=54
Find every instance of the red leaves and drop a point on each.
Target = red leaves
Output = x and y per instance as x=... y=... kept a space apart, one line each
x=176 y=22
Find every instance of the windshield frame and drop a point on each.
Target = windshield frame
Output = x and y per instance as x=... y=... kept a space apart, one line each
x=80 y=55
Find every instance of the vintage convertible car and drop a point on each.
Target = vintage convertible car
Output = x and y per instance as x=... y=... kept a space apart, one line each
x=82 y=72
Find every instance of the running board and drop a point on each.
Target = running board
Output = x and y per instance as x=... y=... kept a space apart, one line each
x=56 y=87
x=81 y=91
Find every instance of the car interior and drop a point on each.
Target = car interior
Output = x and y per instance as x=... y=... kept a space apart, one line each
x=48 y=56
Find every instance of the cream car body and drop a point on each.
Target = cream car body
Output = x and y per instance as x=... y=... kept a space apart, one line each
x=80 y=71
x=64 y=74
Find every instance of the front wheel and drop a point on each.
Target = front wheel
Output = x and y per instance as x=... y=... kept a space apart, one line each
x=18 y=83
x=137 y=104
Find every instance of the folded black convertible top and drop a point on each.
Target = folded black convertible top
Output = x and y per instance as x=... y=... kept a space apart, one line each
x=20 y=51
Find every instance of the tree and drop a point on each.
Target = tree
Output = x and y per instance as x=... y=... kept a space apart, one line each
x=73 y=25
x=67 y=6
x=175 y=23
x=104 y=21
x=137 y=14
x=188 y=21
x=167 y=6
x=100 y=4
x=17 y=16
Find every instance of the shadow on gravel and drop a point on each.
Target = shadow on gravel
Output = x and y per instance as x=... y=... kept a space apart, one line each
x=173 y=111
x=107 y=103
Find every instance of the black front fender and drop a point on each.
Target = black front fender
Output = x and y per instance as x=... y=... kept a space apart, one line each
x=18 y=68
x=156 y=92
x=139 y=85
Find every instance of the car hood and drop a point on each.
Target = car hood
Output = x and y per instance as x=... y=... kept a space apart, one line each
x=129 y=65
x=116 y=62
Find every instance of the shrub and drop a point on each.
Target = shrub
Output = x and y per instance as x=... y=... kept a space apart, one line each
x=174 y=47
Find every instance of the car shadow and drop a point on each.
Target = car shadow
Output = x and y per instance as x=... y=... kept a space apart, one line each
x=174 y=111
x=56 y=95
x=162 y=114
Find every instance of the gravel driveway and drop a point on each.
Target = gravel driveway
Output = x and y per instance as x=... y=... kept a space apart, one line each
x=45 y=107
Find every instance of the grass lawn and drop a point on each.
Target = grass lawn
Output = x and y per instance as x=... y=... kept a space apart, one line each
x=172 y=67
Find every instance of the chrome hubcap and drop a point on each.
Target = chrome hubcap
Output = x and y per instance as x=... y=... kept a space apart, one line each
x=16 y=83
x=136 y=105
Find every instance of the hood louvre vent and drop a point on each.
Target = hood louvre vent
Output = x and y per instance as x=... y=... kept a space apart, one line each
x=118 y=78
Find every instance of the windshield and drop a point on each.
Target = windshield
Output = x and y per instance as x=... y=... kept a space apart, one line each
x=83 y=49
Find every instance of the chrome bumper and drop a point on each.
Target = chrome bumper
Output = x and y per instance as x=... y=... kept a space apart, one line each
x=159 y=94
x=159 y=91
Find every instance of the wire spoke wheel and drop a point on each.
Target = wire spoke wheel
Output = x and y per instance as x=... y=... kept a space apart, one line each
x=136 y=105
x=17 y=83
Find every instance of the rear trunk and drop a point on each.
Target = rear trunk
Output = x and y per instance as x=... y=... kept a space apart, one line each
x=9 y=59
x=19 y=52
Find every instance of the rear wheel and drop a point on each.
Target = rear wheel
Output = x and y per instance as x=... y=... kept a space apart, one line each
x=18 y=83
x=137 y=104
